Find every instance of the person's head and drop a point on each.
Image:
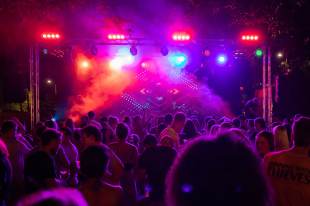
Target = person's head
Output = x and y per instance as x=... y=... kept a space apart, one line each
x=122 y=131
x=149 y=141
x=51 y=140
x=210 y=123
x=301 y=132
x=113 y=121
x=67 y=134
x=260 y=124
x=206 y=120
x=93 y=162
x=54 y=197
x=168 y=119
x=91 y=115
x=134 y=139
x=178 y=121
x=250 y=123
x=127 y=120
x=236 y=123
x=69 y=123
x=107 y=133
x=84 y=120
x=51 y=124
x=217 y=171
x=190 y=129
x=39 y=171
x=137 y=122
x=214 y=130
x=103 y=120
x=225 y=126
x=9 y=129
x=264 y=143
x=91 y=135
x=161 y=127
x=281 y=140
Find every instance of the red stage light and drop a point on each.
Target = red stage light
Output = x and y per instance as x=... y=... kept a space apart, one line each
x=250 y=37
x=50 y=36
x=116 y=36
x=181 y=36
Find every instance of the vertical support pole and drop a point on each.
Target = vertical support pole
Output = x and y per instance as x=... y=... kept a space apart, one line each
x=269 y=100
x=37 y=83
x=34 y=87
x=264 y=82
x=31 y=101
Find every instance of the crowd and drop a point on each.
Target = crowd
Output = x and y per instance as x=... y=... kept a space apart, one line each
x=173 y=160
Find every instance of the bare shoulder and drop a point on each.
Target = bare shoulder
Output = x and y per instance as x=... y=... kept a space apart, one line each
x=276 y=155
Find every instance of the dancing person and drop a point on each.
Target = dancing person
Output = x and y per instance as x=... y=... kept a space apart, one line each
x=128 y=154
x=175 y=128
x=93 y=166
x=91 y=116
x=264 y=143
x=281 y=140
x=288 y=170
x=69 y=148
x=189 y=131
x=17 y=153
x=154 y=164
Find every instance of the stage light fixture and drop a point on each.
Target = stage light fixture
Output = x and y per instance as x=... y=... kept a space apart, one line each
x=178 y=60
x=116 y=36
x=280 y=55
x=133 y=50
x=250 y=37
x=84 y=64
x=181 y=36
x=50 y=36
x=221 y=59
x=259 y=52
x=164 y=51
x=207 y=52
x=49 y=81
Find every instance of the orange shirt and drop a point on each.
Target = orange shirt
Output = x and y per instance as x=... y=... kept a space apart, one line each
x=170 y=132
x=289 y=175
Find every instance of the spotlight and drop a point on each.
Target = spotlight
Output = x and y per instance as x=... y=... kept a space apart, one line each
x=118 y=62
x=181 y=36
x=133 y=50
x=250 y=37
x=84 y=64
x=145 y=65
x=221 y=59
x=164 y=51
x=207 y=52
x=50 y=36
x=259 y=52
x=116 y=36
x=49 y=81
x=280 y=55
x=178 y=60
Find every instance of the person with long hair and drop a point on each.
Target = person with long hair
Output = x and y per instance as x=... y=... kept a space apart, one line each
x=189 y=131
